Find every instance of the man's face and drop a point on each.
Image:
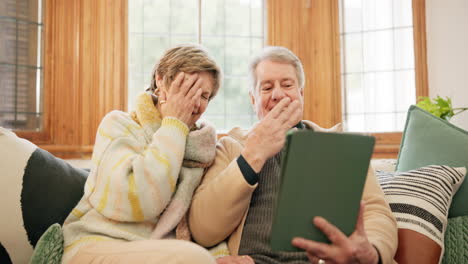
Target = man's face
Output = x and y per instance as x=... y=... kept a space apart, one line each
x=275 y=81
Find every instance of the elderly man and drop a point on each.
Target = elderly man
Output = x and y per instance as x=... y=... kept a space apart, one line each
x=235 y=200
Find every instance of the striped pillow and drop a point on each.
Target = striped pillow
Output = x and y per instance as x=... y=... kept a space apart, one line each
x=420 y=200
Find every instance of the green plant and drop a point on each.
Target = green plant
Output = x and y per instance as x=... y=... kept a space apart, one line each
x=440 y=107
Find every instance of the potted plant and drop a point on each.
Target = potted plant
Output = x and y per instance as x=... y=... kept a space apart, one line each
x=440 y=107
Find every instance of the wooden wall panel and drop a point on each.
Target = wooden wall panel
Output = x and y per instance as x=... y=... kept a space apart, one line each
x=103 y=67
x=420 y=47
x=85 y=72
x=310 y=28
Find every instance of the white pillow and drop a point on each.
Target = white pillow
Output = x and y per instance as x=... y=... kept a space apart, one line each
x=14 y=155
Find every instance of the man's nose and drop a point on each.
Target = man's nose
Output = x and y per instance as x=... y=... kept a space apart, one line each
x=278 y=93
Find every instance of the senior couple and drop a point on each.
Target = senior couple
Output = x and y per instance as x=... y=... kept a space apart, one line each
x=159 y=179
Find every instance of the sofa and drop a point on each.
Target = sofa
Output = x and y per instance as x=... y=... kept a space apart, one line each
x=40 y=190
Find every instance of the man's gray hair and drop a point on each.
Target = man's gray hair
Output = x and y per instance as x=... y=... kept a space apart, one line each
x=276 y=54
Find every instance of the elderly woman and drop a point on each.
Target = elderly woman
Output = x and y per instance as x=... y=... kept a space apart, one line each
x=146 y=165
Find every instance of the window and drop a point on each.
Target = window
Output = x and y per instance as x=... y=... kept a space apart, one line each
x=378 y=64
x=231 y=30
x=21 y=71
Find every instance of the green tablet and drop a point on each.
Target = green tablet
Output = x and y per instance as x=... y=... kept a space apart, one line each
x=322 y=174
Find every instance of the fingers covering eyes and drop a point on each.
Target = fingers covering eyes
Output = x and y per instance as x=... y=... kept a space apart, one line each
x=194 y=90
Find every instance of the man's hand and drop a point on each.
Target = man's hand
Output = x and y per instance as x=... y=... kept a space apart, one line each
x=235 y=260
x=353 y=249
x=268 y=136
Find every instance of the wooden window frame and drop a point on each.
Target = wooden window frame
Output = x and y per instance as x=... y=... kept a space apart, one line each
x=85 y=73
x=84 y=79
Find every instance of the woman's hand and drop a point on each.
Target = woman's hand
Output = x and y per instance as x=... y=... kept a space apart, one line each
x=353 y=249
x=181 y=98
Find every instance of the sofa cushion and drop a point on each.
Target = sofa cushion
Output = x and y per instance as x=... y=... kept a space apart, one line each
x=429 y=140
x=51 y=189
x=419 y=200
x=41 y=190
x=456 y=241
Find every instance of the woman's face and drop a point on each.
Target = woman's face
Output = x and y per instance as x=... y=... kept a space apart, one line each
x=207 y=86
x=202 y=103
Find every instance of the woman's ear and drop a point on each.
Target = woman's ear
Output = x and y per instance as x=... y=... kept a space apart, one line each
x=162 y=95
x=159 y=83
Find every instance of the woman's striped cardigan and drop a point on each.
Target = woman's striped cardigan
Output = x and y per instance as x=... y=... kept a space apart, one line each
x=136 y=163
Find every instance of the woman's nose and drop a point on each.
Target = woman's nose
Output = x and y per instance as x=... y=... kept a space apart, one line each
x=196 y=107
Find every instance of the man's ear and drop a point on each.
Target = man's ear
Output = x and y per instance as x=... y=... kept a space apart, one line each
x=252 y=99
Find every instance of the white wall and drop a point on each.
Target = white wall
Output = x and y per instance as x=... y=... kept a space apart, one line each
x=447 y=52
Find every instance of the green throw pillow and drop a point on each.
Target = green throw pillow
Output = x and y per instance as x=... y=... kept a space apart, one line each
x=49 y=248
x=456 y=241
x=429 y=140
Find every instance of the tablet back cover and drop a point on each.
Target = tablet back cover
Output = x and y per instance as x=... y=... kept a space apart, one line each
x=322 y=174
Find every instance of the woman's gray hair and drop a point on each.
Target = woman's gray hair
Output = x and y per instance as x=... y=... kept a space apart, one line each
x=276 y=54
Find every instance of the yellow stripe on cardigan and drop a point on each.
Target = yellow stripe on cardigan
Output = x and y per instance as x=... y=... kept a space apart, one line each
x=146 y=111
x=130 y=127
x=77 y=213
x=220 y=252
x=167 y=164
x=117 y=205
x=116 y=226
x=174 y=122
x=105 y=196
x=86 y=239
x=154 y=187
x=133 y=198
x=121 y=161
x=102 y=133
x=89 y=188
x=96 y=161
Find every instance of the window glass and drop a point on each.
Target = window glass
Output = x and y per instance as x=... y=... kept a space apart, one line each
x=231 y=30
x=378 y=77
x=21 y=64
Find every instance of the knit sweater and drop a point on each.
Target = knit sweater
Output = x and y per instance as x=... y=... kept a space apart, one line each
x=257 y=228
x=137 y=159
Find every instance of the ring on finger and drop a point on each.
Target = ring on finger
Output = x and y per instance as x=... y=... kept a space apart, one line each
x=321 y=261
x=162 y=101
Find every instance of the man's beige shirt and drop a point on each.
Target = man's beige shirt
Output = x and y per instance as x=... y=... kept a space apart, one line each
x=220 y=204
